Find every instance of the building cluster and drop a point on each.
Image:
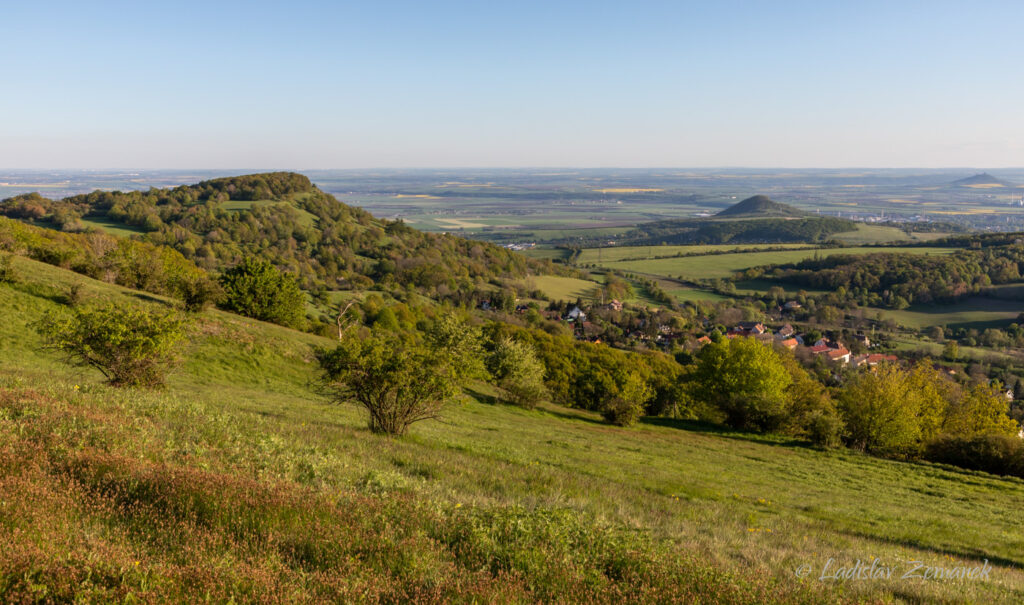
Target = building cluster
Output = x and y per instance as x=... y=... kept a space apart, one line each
x=520 y=246
x=833 y=351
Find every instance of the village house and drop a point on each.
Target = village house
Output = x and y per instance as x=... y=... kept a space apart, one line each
x=791 y=306
x=576 y=314
x=785 y=332
x=614 y=305
x=840 y=356
x=790 y=343
x=828 y=342
x=752 y=327
x=872 y=360
x=862 y=339
x=747 y=328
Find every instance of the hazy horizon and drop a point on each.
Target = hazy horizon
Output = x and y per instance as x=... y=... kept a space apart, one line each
x=458 y=85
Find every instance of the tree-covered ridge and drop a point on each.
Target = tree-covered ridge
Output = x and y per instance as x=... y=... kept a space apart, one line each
x=897 y=280
x=284 y=218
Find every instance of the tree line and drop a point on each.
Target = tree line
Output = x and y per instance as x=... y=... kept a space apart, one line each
x=898 y=280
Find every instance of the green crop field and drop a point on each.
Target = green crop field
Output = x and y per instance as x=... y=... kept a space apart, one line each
x=562 y=288
x=725 y=265
x=240 y=483
x=621 y=253
x=684 y=294
x=759 y=286
x=546 y=253
x=882 y=234
x=975 y=312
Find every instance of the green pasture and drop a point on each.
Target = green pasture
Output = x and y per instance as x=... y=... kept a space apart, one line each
x=977 y=312
x=719 y=266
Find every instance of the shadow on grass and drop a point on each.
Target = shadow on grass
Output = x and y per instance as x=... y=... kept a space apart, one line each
x=43 y=291
x=973 y=554
x=481 y=396
x=567 y=414
x=698 y=426
x=153 y=298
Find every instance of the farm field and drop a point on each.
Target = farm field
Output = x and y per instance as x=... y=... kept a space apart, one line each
x=546 y=253
x=684 y=294
x=562 y=288
x=883 y=234
x=759 y=286
x=967 y=354
x=978 y=312
x=620 y=253
x=725 y=265
x=240 y=445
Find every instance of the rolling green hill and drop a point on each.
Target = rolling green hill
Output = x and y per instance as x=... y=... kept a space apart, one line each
x=284 y=218
x=760 y=206
x=240 y=483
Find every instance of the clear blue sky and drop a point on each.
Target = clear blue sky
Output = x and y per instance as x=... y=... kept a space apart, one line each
x=304 y=84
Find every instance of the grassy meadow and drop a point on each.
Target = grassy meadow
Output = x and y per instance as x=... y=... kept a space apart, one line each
x=239 y=483
x=883 y=234
x=725 y=265
x=977 y=312
x=626 y=253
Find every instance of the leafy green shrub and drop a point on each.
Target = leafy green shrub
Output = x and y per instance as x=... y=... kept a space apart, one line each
x=518 y=372
x=75 y=295
x=997 y=454
x=461 y=342
x=893 y=411
x=399 y=382
x=981 y=410
x=825 y=429
x=198 y=292
x=256 y=288
x=745 y=379
x=132 y=347
x=810 y=411
x=7 y=273
x=625 y=404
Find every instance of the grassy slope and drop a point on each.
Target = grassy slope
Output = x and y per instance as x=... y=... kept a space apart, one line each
x=238 y=480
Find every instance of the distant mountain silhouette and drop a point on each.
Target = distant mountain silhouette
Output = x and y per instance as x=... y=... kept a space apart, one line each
x=981 y=180
x=760 y=206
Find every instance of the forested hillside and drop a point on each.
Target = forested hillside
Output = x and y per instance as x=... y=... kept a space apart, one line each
x=898 y=280
x=286 y=219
